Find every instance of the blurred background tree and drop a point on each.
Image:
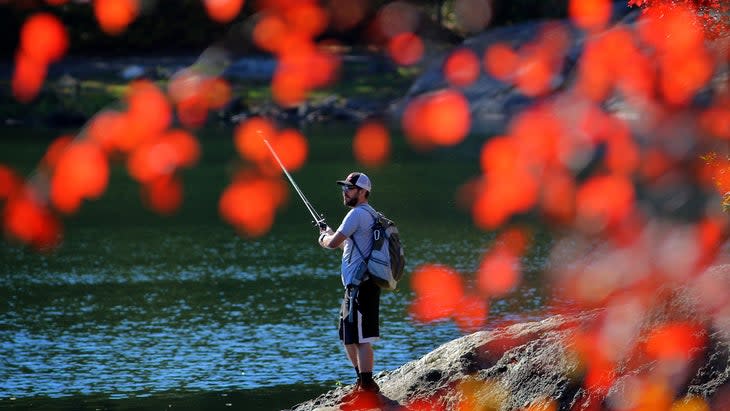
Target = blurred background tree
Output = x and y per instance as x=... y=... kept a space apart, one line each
x=183 y=26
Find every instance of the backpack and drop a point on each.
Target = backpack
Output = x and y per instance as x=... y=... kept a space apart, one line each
x=386 y=261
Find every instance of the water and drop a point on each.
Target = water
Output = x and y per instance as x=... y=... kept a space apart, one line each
x=136 y=311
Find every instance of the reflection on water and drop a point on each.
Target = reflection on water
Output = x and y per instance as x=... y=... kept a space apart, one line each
x=227 y=315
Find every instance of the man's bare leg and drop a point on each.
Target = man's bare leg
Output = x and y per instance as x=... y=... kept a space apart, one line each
x=365 y=357
x=361 y=356
x=351 y=351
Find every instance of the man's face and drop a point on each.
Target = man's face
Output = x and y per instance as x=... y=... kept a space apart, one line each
x=350 y=195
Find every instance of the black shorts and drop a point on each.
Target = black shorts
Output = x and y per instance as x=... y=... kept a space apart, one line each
x=364 y=327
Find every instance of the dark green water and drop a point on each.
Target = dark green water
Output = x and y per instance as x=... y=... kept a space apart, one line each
x=137 y=311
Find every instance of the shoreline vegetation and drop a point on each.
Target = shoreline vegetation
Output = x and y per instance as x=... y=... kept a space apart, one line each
x=79 y=87
x=181 y=30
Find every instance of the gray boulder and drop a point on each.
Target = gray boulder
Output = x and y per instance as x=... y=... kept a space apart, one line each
x=511 y=366
x=492 y=102
x=529 y=364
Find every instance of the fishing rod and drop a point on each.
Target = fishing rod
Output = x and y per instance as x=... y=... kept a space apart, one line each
x=318 y=218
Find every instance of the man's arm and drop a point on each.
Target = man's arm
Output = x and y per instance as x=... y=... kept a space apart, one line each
x=330 y=239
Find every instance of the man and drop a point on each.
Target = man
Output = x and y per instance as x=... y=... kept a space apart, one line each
x=359 y=315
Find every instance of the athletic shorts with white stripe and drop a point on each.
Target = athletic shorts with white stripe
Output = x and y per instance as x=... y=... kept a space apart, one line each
x=364 y=327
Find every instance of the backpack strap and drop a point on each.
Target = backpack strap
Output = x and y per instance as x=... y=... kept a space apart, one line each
x=358 y=248
x=374 y=214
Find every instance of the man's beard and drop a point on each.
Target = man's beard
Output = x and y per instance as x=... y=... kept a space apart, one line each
x=351 y=202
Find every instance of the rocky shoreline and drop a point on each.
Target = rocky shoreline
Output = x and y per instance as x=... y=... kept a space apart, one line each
x=514 y=366
x=534 y=366
x=66 y=79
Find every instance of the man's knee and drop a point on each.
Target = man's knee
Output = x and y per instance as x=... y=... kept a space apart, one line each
x=358 y=345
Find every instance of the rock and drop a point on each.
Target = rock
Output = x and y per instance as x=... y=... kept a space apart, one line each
x=493 y=103
x=328 y=109
x=132 y=72
x=68 y=81
x=252 y=68
x=528 y=360
x=537 y=364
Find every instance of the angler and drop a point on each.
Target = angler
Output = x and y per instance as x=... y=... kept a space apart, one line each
x=360 y=311
x=359 y=314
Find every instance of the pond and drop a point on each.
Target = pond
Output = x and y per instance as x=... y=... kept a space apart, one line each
x=139 y=311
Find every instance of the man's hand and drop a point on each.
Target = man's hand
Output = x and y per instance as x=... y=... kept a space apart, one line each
x=328 y=238
x=323 y=233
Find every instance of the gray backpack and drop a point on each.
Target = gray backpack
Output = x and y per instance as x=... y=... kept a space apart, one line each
x=386 y=261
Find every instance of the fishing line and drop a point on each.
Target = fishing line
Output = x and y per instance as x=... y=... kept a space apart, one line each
x=318 y=218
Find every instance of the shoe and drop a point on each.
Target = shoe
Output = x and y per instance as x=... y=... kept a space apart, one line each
x=352 y=394
x=360 y=400
x=369 y=386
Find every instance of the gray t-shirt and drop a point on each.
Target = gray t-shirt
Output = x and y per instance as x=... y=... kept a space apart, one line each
x=356 y=225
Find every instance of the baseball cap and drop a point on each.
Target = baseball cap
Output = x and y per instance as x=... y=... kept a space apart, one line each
x=356 y=179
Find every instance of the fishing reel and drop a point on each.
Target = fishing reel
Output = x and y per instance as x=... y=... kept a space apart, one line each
x=320 y=223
